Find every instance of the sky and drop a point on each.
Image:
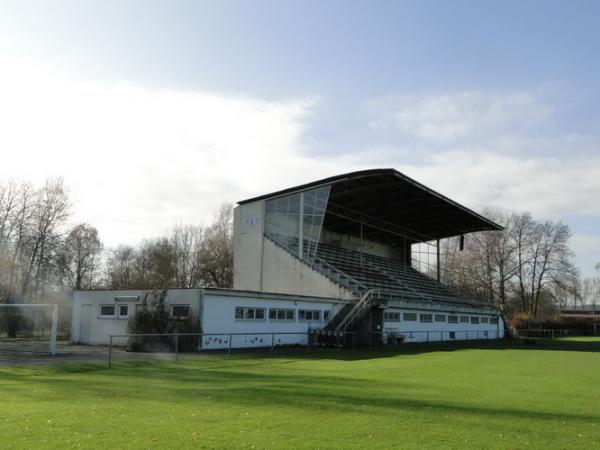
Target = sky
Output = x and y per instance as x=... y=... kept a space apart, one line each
x=156 y=112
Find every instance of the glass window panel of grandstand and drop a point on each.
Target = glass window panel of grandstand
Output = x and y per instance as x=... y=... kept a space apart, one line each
x=283 y=216
x=282 y=222
x=314 y=204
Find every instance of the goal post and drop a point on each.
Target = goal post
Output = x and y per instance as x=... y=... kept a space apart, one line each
x=29 y=327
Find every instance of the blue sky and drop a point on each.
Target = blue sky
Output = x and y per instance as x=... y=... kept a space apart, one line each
x=182 y=105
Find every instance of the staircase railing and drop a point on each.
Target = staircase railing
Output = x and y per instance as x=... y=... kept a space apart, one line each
x=359 y=308
x=326 y=269
x=337 y=275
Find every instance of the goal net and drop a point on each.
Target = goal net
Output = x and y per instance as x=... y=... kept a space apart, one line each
x=33 y=329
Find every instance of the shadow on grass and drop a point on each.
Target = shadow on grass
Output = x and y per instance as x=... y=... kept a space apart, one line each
x=420 y=348
x=235 y=387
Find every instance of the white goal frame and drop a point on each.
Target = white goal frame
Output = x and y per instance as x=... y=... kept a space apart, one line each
x=54 y=326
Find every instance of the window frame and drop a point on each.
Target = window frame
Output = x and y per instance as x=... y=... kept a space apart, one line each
x=410 y=317
x=285 y=312
x=119 y=314
x=475 y=320
x=464 y=319
x=187 y=316
x=436 y=318
x=245 y=313
x=454 y=320
x=392 y=316
x=424 y=319
x=107 y=316
x=302 y=315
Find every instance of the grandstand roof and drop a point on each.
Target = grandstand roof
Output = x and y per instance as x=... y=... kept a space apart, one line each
x=386 y=196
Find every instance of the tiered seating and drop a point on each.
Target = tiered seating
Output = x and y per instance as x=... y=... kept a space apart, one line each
x=390 y=276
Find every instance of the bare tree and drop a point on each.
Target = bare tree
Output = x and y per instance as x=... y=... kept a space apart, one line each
x=31 y=229
x=121 y=268
x=187 y=241
x=81 y=256
x=217 y=251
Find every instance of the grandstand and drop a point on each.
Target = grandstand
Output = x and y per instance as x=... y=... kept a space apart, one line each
x=352 y=236
x=339 y=256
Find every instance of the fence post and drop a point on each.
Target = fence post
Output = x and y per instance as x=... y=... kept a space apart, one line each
x=272 y=342
x=176 y=348
x=229 y=350
x=54 y=330
x=427 y=338
x=370 y=339
x=353 y=340
x=109 y=351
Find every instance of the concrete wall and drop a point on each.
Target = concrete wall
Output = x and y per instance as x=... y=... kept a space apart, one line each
x=286 y=274
x=248 y=229
x=351 y=242
x=219 y=318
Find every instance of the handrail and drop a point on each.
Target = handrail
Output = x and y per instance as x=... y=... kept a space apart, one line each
x=321 y=261
x=316 y=261
x=358 y=307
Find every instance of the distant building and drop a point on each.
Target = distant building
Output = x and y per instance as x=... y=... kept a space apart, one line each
x=586 y=312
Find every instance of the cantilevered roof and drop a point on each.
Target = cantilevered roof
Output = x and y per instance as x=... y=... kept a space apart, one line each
x=387 y=200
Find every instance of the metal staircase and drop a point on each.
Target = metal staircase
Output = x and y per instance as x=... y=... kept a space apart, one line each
x=352 y=314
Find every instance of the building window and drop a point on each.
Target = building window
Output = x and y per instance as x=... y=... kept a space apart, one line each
x=494 y=320
x=484 y=320
x=485 y=334
x=391 y=316
x=452 y=335
x=440 y=318
x=464 y=319
x=309 y=315
x=410 y=317
x=281 y=314
x=474 y=320
x=452 y=319
x=107 y=310
x=242 y=313
x=426 y=318
x=326 y=315
x=180 y=311
x=123 y=311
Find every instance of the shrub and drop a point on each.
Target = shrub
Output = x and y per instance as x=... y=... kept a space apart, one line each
x=153 y=318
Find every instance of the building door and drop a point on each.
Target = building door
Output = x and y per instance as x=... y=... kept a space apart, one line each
x=85 y=321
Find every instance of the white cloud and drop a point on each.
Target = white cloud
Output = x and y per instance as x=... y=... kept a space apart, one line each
x=495 y=149
x=138 y=160
x=449 y=118
x=587 y=248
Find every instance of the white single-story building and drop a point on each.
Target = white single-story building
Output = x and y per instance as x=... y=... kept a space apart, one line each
x=259 y=319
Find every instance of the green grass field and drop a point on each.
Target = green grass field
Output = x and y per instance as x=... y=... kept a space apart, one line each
x=477 y=395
